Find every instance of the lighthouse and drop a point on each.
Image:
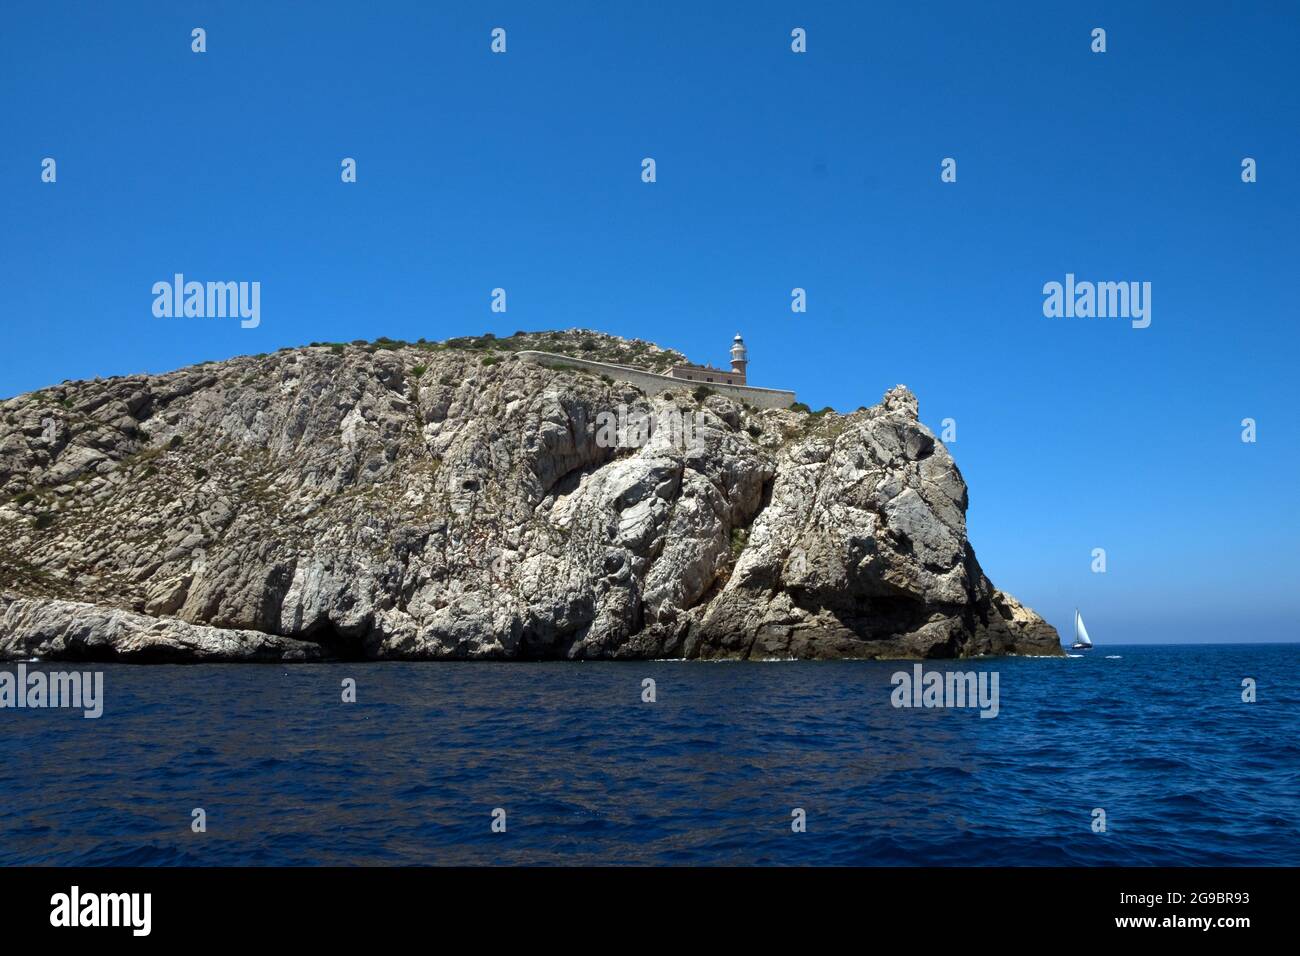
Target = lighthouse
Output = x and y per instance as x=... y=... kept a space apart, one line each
x=708 y=379
x=717 y=376
x=739 y=357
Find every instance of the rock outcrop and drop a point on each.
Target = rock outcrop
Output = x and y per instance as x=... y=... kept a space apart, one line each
x=442 y=501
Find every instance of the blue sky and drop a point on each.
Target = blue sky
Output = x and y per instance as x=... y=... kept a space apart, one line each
x=775 y=170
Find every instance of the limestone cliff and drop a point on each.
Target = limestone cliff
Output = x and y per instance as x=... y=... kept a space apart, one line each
x=429 y=501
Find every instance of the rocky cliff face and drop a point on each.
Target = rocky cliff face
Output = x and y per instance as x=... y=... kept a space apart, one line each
x=431 y=501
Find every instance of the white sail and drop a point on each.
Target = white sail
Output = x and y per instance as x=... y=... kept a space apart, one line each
x=1081 y=632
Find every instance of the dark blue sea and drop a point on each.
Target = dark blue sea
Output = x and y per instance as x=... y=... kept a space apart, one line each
x=1157 y=737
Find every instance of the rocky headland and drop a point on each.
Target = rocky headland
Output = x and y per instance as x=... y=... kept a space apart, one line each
x=453 y=500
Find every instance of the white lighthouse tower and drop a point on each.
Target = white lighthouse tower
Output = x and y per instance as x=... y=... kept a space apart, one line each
x=739 y=358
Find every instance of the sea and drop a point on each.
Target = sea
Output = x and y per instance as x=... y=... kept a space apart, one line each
x=1136 y=755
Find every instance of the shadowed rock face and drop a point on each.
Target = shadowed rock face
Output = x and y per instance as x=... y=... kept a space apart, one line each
x=438 y=502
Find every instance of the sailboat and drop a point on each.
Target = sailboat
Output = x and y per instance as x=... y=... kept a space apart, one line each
x=1082 y=642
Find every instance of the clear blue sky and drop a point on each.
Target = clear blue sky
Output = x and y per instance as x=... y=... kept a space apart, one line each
x=775 y=170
